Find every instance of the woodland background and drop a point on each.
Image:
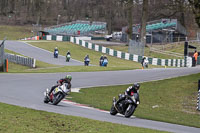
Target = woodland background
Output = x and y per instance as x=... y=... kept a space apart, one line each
x=114 y=12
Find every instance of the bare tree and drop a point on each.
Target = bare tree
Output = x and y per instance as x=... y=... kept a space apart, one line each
x=143 y=22
x=196 y=10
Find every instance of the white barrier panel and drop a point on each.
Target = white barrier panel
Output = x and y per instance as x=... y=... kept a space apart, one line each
x=83 y=43
x=59 y=38
x=154 y=61
x=96 y=47
x=179 y=63
x=49 y=37
x=77 y=40
x=127 y=55
x=72 y=39
x=174 y=62
x=169 y=62
x=119 y=54
x=183 y=62
x=103 y=49
x=111 y=52
x=189 y=61
x=162 y=62
x=135 y=58
x=90 y=45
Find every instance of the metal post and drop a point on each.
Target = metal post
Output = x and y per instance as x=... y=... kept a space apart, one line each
x=58 y=19
x=199 y=85
x=2 y=67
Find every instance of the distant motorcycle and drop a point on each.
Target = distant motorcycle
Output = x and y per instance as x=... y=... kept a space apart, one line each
x=55 y=54
x=68 y=57
x=57 y=95
x=125 y=107
x=145 y=63
x=86 y=62
x=105 y=62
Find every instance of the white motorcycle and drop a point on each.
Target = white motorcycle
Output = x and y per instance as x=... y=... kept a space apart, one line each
x=57 y=94
x=145 y=63
x=68 y=57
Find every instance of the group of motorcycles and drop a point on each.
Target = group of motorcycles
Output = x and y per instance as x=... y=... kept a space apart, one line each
x=125 y=107
x=55 y=54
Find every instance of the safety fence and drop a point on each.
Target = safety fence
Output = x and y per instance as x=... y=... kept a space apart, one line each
x=186 y=62
x=198 y=101
x=32 y=38
x=26 y=61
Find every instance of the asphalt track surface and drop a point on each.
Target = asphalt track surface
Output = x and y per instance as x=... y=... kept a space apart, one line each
x=26 y=90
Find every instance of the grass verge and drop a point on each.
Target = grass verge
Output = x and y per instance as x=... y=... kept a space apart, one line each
x=78 y=53
x=171 y=100
x=23 y=120
x=15 y=32
x=147 y=52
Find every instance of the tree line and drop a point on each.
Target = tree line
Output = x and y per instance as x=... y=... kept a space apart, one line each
x=117 y=13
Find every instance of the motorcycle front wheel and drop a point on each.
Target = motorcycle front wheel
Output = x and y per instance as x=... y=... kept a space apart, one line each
x=113 y=111
x=46 y=99
x=130 y=110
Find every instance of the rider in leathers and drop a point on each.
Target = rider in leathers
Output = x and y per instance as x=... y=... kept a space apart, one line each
x=60 y=82
x=130 y=91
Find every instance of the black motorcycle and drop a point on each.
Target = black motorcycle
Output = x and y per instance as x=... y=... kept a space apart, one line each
x=125 y=107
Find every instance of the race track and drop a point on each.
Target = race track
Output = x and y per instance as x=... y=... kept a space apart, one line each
x=27 y=90
x=39 y=54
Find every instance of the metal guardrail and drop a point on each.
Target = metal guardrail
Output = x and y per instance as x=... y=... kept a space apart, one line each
x=26 y=61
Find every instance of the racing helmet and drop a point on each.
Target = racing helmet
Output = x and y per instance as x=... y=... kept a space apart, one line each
x=69 y=77
x=136 y=86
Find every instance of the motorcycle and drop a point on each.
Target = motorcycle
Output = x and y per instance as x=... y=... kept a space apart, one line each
x=145 y=63
x=68 y=57
x=55 y=54
x=105 y=62
x=125 y=107
x=86 y=62
x=57 y=94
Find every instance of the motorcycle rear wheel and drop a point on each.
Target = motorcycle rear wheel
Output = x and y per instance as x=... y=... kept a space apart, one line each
x=130 y=110
x=113 y=111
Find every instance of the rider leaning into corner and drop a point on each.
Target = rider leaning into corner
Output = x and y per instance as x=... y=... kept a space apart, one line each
x=60 y=82
x=130 y=91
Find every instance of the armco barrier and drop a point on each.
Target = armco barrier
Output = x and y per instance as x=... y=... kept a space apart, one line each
x=26 y=61
x=186 y=62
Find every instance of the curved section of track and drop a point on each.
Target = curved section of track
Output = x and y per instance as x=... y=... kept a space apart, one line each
x=27 y=90
x=39 y=54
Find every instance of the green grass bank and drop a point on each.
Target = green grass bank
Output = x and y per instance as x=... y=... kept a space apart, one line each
x=16 y=119
x=171 y=100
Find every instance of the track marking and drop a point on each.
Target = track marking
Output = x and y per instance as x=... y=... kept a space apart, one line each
x=87 y=107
